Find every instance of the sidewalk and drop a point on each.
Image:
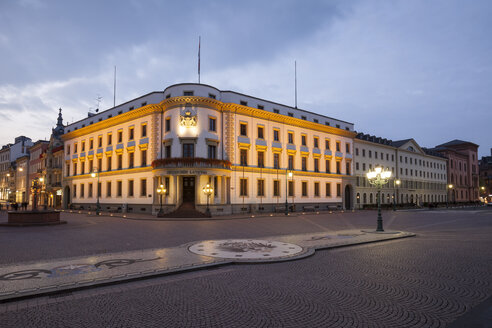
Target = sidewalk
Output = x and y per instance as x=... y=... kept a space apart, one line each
x=36 y=278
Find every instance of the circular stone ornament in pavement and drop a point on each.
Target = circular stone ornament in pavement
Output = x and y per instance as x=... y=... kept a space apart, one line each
x=246 y=249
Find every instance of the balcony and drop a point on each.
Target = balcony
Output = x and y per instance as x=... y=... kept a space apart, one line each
x=192 y=162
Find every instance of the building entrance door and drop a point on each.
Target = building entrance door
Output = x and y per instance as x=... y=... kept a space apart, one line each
x=188 y=189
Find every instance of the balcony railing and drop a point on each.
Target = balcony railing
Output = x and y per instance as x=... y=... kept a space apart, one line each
x=195 y=162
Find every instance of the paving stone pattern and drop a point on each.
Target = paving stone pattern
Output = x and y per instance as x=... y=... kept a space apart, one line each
x=426 y=281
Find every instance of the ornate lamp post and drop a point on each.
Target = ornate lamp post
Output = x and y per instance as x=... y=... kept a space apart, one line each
x=95 y=172
x=396 y=184
x=378 y=178
x=161 y=191
x=287 y=176
x=208 y=190
x=450 y=188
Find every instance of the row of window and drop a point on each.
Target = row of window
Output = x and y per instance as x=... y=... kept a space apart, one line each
x=243 y=161
x=406 y=184
x=109 y=139
x=404 y=198
x=381 y=156
x=243 y=131
x=79 y=190
x=422 y=174
x=89 y=168
x=260 y=188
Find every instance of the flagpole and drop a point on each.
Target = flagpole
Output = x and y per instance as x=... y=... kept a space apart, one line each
x=114 y=90
x=199 y=44
x=295 y=80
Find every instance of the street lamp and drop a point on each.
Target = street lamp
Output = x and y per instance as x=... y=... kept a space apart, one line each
x=95 y=172
x=396 y=184
x=161 y=191
x=287 y=176
x=450 y=187
x=208 y=190
x=378 y=178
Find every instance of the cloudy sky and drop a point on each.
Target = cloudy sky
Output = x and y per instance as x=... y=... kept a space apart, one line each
x=397 y=69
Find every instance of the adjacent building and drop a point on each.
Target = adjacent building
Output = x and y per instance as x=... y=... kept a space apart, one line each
x=462 y=170
x=36 y=163
x=257 y=155
x=418 y=175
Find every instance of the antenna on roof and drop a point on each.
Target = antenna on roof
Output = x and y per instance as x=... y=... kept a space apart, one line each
x=98 y=99
x=295 y=80
x=199 y=44
x=114 y=90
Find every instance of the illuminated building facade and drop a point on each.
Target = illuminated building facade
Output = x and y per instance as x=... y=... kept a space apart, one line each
x=421 y=172
x=254 y=154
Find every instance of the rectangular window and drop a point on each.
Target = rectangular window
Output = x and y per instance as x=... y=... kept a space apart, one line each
x=291 y=162
x=260 y=132
x=68 y=169
x=82 y=168
x=363 y=153
x=291 y=137
x=83 y=146
x=261 y=159
x=130 y=188
x=131 y=133
x=290 y=114
x=120 y=136
x=316 y=189
x=99 y=187
x=110 y=139
x=276 y=111
x=338 y=146
x=120 y=161
x=327 y=144
x=168 y=151
x=316 y=165
x=276 y=188
x=168 y=124
x=303 y=139
x=261 y=188
x=188 y=93
x=291 y=188
x=212 y=124
x=143 y=159
x=74 y=191
x=347 y=148
x=261 y=107
x=131 y=160
x=339 y=190
x=99 y=141
x=357 y=165
x=75 y=168
x=119 y=188
x=316 y=142
x=338 y=167
x=91 y=166
x=327 y=163
x=243 y=187
x=243 y=129
x=75 y=148
x=91 y=143
x=68 y=149
x=304 y=163
x=276 y=161
x=304 y=189
x=144 y=130
x=90 y=190
x=143 y=187
x=376 y=155
x=108 y=163
x=212 y=96
x=82 y=190
x=244 y=157
x=188 y=150
x=328 y=189
x=370 y=154
x=243 y=103
x=276 y=135
x=212 y=152
x=356 y=151
x=347 y=168
x=108 y=189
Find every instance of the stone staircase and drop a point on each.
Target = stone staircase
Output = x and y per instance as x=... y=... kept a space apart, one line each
x=186 y=210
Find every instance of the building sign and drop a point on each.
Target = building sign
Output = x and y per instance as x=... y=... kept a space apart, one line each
x=188 y=119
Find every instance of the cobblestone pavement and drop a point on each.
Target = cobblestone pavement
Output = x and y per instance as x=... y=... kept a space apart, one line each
x=427 y=281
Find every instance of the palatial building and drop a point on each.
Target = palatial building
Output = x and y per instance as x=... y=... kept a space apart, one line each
x=191 y=135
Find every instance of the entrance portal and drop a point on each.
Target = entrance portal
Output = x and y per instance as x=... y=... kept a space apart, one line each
x=188 y=189
x=348 y=197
